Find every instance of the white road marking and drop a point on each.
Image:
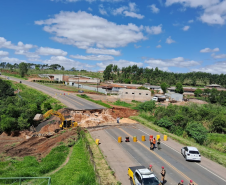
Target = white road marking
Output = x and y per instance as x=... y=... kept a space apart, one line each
x=195 y=163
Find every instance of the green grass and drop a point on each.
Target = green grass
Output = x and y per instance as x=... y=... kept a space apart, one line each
x=212 y=154
x=68 y=88
x=78 y=170
x=95 y=101
x=13 y=75
x=131 y=105
x=30 y=167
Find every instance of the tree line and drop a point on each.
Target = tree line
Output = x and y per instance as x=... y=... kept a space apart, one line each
x=138 y=75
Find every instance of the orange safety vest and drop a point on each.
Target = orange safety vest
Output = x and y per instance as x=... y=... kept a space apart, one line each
x=154 y=141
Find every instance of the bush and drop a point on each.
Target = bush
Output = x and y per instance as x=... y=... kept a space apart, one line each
x=197 y=131
x=219 y=124
x=198 y=92
x=164 y=122
x=147 y=106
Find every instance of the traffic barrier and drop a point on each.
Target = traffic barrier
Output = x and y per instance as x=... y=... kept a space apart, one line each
x=64 y=93
x=97 y=141
x=60 y=93
x=119 y=139
x=165 y=138
x=134 y=138
x=157 y=137
x=143 y=138
x=150 y=137
x=68 y=93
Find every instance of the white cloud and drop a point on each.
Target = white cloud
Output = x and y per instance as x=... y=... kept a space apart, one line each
x=119 y=63
x=90 y=1
x=214 y=10
x=119 y=10
x=50 y=51
x=212 y=19
x=193 y=3
x=103 y=51
x=136 y=46
x=190 y=21
x=159 y=46
x=186 y=28
x=102 y=10
x=169 y=40
x=133 y=14
x=123 y=10
x=90 y=9
x=85 y=30
x=3 y=53
x=153 y=8
x=154 y=29
x=67 y=63
x=20 y=46
x=93 y=57
x=216 y=68
x=32 y=56
x=11 y=60
x=218 y=56
x=208 y=50
x=174 y=62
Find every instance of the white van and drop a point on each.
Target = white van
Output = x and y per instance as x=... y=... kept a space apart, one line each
x=154 y=99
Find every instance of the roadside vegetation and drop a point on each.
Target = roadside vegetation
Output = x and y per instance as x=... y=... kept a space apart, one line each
x=23 y=106
x=29 y=166
x=198 y=125
x=95 y=101
x=131 y=105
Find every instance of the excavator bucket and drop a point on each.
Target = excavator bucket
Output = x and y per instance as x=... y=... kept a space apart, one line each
x=38 y=117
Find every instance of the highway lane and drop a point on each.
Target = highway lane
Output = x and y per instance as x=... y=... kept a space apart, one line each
x=176 y=166
x=71 y=100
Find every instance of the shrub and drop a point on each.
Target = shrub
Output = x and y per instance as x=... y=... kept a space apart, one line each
x=198 y=92
x=219 y=124
x=147 y=106
x=197 y=131
x=164 y=122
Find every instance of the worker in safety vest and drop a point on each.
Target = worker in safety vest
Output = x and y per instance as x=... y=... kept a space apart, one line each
x=154 y=142
x=191 y=182
x=181 y=182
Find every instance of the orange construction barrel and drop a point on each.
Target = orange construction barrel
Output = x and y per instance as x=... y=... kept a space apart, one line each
x=150 y=137
x=143 y=138
x=134 y=138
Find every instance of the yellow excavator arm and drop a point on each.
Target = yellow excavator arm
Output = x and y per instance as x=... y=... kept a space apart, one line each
x=64 y=123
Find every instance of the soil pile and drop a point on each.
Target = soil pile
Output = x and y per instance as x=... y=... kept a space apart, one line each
x=35 y=146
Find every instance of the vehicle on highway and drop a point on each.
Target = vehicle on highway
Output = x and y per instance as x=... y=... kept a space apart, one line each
x=191 y=153
x=139 y=175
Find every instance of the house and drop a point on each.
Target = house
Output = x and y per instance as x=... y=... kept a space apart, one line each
x=134 y=94
x=213 y=86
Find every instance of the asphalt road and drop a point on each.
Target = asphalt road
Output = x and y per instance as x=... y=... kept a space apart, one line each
x=71 y=100
x=176 y=166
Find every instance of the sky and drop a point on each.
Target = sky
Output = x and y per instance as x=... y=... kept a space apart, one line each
x=174 y=35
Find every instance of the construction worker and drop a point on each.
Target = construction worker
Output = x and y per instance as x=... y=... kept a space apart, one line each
x=191 y=182
x=118 y=120
x=158 y=143
x=163 y=174
x=181 y=182
x=154 y=142
x=150 y=168
x=151 y=143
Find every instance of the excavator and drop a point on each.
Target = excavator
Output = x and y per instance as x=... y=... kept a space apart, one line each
x=65 y=123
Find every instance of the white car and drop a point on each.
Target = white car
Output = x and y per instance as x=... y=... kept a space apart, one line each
x=191 y=153
x=154 y=99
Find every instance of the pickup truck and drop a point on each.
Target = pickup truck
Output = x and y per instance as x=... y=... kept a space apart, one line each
x=139 y=175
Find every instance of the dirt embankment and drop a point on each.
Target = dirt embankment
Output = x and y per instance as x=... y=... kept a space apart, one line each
x=35 y=146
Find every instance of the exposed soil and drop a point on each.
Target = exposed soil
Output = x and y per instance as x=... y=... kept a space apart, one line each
x=34 y=146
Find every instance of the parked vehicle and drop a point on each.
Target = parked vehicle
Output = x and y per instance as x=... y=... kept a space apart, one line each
x=139 y=175
x=154 y=99
x=191 y=153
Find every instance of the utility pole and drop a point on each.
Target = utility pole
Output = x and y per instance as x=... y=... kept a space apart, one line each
x=78 y=81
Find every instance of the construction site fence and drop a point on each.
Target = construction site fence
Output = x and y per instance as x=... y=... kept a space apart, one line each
x=92 y=158
x=26 y=180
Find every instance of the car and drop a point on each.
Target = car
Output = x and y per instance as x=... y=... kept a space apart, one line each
x=191 y=153
x=154 y=99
